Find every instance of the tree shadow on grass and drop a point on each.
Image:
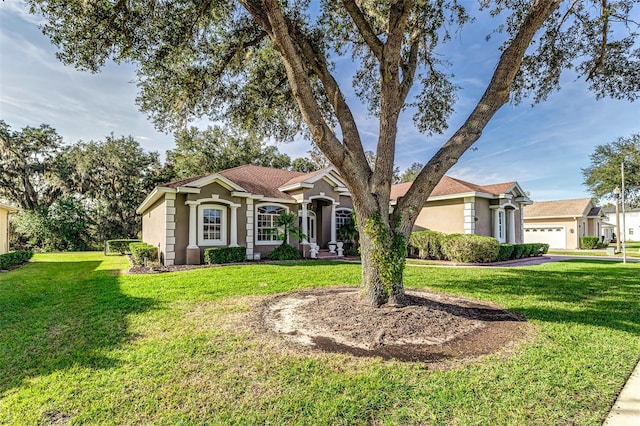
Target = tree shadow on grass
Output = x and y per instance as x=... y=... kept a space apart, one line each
x=58 y=315
x=586 y=292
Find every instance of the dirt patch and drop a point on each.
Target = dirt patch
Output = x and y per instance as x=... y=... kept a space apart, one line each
x=433 y=328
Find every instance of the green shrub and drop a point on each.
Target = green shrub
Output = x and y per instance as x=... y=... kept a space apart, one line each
x=587 y=242
x=219 y=255
x=141 y=253
x=13 y=258
x=352 y=252
x=120 y=246
x=544 y=248
x=426 y=245
x=505 y=251
x=284 y=252
x=518 y=251
x=470 y=248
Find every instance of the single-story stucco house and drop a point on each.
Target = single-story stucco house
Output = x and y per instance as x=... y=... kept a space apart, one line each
x=561 y=223
x=5 y=210
x=239 y=206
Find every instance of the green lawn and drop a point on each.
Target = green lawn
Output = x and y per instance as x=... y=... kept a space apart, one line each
x=80 y=342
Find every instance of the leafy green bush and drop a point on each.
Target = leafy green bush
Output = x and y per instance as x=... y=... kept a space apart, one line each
x=587 y=242
x=13 y=258
x=505 y=251
x=141 y=253
x=218 y=255
x=426 y=245
x=470 y=248
x=518 y=251
x=544 y=248
x=120 y=246
x=284 y=252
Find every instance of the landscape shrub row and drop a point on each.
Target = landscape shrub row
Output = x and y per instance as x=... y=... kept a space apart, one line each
x=468 y=248
x=13 y=258
x=225 y=255
x=142 y=253
x=120 y=246
x=587 y=242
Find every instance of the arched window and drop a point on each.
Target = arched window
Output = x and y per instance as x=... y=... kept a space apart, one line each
x=266 y=215
x=212 y=225
x=343 y=217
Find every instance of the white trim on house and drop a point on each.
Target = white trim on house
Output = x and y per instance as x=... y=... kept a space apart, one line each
x=469 y=215
x=216 y=177
x=155 y=195
x=170 y=228
x=258 y=242
x=222 y=241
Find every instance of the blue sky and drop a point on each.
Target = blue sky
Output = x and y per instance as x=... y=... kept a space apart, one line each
x=544 y=148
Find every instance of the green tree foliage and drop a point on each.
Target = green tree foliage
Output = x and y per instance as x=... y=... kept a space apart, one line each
x=114 y=175
x=27 y=175
x=271 y=66
x=604 y=173
x=65 y=225
x=411 y=173
x=200 y=152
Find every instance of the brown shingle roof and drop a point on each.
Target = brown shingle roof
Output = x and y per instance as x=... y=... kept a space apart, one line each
x=575 y=207
x=261 y=180
x=450 y=186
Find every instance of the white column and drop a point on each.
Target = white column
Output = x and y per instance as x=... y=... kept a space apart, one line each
x=249 y=228
x=305 y=227
x=333 y=224
x=469 y=215
x=233 y=223
x=511 y=221
x=193 y=226
x=496 y=224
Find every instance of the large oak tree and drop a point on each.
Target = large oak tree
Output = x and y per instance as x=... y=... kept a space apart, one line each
x=270 y=65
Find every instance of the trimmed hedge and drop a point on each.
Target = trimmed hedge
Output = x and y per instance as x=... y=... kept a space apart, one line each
x=120 y=246
x=470 y=248
x=218 y=255
x=587 y=242
x=13 y=258
x=426 y=245
x=505 y=251
x=141 y=253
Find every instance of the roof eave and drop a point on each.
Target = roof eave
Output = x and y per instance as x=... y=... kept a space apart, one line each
x=156 y=194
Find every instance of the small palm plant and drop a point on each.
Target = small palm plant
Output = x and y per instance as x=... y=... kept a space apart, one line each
x=286 y=224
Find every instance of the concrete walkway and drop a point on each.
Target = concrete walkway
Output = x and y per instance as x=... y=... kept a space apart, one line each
x=626 y=410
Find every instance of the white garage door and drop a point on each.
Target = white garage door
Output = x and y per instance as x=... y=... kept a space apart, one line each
x=552 y=235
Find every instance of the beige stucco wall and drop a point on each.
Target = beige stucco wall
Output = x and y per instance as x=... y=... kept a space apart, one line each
x=483 y=224
x=153 y=226
x=444 y=216
x=4 y=230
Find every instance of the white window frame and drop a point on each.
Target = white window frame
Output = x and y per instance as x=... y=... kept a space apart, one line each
x=223 y=225
x=502 y=219
x=270 y=242
x=342 y=209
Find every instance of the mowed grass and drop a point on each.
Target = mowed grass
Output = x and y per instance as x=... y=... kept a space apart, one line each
x=81 y=343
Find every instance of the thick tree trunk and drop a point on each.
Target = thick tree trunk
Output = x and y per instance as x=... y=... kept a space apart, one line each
x=383 y=254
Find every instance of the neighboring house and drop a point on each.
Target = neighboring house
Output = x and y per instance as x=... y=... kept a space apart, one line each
x=562 y=223
x=456 y=206
x=239 y=206
x=5 y=210
x=631 y=221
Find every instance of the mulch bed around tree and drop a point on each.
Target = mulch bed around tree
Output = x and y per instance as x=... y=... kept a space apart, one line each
x=434 y=328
